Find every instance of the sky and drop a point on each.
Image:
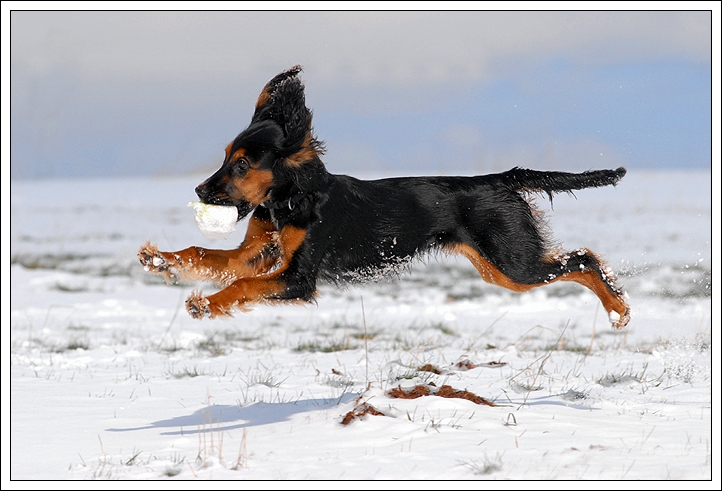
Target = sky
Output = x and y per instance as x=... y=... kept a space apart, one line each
x=105 y=94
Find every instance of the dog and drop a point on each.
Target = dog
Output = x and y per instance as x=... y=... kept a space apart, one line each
x=308 y=224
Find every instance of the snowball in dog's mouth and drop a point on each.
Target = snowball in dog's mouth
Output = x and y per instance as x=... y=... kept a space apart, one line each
x=215 y=221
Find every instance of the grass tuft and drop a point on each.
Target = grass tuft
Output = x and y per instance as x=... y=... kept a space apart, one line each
x=185 y=372
x=326 y=347
x=488 y=466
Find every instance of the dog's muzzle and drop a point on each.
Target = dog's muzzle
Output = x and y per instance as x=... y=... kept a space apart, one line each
x=210 y=198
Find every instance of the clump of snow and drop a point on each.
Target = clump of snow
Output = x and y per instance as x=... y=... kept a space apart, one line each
x=214 y=222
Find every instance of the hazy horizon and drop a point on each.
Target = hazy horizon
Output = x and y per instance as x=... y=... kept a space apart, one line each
x=161 y=93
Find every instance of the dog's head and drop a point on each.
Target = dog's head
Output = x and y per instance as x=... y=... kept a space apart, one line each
x=275 y=152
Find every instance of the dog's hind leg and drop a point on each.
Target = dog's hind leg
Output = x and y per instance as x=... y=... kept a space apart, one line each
x=580 y=266
x=586 y=268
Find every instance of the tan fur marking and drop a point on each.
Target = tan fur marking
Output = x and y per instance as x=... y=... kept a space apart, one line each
x=251 y=258
x=238 y=154
x=251 y=290
x=264 y=96
x=253 y=186
x=488 y=271
x=305 y=154
x=228 y=150
x=258 y=228
x=589 y=279
x=610 y=301
x=289 y=240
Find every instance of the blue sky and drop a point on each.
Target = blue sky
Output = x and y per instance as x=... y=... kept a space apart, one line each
x=162 y=93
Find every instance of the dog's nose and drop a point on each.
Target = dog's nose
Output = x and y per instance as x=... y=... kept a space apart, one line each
x=202 y=191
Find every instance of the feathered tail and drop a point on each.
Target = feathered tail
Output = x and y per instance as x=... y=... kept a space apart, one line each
x=550 y=182
x=553 y=182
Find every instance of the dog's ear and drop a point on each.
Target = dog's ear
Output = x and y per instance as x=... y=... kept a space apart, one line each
x=271 y=86
x=283 y=101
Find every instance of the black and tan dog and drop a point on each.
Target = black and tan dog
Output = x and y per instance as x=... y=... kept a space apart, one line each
x=309 y=224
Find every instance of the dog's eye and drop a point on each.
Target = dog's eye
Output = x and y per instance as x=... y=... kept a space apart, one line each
x=241 y=165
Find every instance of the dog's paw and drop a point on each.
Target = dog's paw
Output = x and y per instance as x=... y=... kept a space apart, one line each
x=198 y=306
x=620 y=321
x=155 y=261
x=151 y=259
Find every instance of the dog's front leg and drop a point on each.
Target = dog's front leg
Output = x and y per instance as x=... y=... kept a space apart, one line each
x=239 y=295
x=256 y=255
x=279 y=285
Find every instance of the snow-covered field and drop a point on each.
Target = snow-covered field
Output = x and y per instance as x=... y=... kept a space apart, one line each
x=111 y=379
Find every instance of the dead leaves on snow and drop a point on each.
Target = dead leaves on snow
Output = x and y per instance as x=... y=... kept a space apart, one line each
x=361 y=409
x=446 y=391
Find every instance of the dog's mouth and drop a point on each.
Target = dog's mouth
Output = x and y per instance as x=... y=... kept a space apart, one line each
x=243 y=207
x=243 y=210
x=208 y=194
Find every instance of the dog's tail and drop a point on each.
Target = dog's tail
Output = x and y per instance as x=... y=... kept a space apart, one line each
x=550 y=182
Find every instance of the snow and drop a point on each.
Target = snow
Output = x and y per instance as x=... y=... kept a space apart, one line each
x=111 y=379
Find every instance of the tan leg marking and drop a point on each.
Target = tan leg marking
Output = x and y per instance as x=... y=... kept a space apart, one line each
x=246 y=291
x=590 y=279
x=252 y=257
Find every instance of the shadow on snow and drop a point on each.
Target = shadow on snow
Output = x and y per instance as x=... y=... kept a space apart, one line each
x=222 y=417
